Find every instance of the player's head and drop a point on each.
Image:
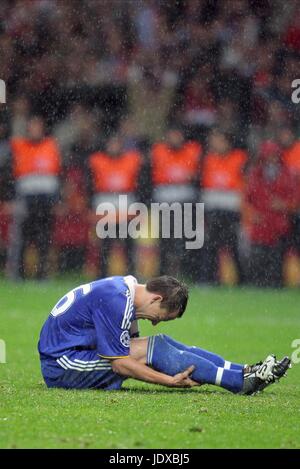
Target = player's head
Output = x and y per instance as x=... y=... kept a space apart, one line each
x=165 y=299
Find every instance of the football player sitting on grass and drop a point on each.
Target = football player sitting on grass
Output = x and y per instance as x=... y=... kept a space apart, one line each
x=90 y=340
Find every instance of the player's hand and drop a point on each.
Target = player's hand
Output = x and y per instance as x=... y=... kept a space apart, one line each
x=183 y=380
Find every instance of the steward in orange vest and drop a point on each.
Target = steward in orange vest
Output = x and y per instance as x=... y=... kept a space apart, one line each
x=37 y=161
x=175 y=167
x=35 y=171
x=222 y=186
x=115 y=174
x=291 y=157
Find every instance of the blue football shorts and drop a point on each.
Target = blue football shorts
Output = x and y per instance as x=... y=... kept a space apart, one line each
x=80 y=369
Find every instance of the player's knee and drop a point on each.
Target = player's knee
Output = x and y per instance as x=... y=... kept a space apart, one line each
x=164 y=336
x=142 y=348
x=138 y=348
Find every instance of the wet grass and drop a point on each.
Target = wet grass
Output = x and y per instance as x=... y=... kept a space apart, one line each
x=242 y=325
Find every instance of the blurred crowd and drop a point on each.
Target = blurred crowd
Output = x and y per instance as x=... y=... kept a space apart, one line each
x=186 y=101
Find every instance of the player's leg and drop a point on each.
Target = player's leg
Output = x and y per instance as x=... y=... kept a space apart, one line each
x=213 y=357
x=138 y=349
x=155 y=351
x=164 y=357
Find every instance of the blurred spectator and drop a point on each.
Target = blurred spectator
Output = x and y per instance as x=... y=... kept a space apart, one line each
x=68 y=131
x=175 y=172
x=19 y=116
x=291 y=157
x=128 y=132
x=291 y=149
x=35 y=170
x=89 y=138
x=71 y=228
x=194 y=53
x=222 y=185
x=150 y=94
x=227 y=119
x=276 y=116
x=291 y=38
x=5 y=190
x=115 y=172
x=146 y=21
x=4 y=161
x=196 y=63
x=270 y=196
x=199 y=100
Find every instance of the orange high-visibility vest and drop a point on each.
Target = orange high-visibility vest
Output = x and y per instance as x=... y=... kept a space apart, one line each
x=35 y=158
x=115 y=174
x=291 y=157
x=224 y=172
x=171 y=166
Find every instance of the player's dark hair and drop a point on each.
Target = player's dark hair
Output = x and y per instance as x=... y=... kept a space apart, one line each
x=174 y=293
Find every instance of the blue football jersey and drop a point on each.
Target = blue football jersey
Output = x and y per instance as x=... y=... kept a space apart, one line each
x=97 y=315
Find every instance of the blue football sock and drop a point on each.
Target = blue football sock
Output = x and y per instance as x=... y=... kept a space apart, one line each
x=212 y=357
x=162 y=356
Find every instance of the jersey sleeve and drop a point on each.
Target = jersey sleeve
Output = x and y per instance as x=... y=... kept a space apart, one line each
x=112 y=323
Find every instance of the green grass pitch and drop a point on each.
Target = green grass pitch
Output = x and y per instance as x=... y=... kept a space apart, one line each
x=242 y=325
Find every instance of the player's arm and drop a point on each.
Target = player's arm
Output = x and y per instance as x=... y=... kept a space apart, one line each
x=132 y=368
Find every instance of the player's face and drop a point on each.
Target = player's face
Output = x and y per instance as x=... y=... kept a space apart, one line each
x=153 y=311
x=162 y=314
